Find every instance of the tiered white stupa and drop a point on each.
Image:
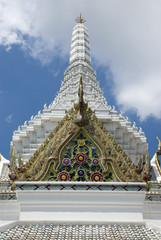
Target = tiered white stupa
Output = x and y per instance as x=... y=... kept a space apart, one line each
x=29 y=137
x=80 y=178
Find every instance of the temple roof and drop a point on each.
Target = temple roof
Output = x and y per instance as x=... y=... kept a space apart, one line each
x=29 y=137
x=81 y=149
x=80 y=231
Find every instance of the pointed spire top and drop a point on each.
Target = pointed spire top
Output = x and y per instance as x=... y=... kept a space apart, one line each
x=80 y=46
x=80 y=19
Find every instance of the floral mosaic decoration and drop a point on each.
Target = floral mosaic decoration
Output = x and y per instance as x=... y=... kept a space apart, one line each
x=80 y=161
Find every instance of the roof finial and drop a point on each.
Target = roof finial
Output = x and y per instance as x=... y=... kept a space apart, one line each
x=159 y=146
x=80 y=19
x=80 y=90
x=82 y=118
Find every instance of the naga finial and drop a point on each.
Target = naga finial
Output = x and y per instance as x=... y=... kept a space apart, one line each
x=81 y=106
x=80 y=19
x=159 y=145
x=80 y=90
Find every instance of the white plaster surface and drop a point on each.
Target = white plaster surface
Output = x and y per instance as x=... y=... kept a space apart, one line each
x=81 y=206
x=9 y=210
x=82 y=217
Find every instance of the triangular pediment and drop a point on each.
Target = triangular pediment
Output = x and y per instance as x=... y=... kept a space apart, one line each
x=80 y=153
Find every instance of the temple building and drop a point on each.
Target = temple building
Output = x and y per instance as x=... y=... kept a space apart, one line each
x=79 y=169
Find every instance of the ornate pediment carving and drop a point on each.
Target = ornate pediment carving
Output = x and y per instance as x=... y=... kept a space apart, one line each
x=61 y=155
x=81 y=149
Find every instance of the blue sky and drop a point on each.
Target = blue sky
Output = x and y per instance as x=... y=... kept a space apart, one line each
x=34 y=53
x=25 y=86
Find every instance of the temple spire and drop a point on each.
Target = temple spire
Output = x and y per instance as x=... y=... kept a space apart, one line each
x=80 y=47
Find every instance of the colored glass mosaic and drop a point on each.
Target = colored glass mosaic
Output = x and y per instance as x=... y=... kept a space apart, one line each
x=43 y=186
x=97 y=177
x=66 y=161
x=95 y=161
x=80 y=160
x=81 y=173
x=63 y=176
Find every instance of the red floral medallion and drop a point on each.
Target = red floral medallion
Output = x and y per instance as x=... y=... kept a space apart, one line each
x=63 y=176
x=96 y=177
x=81 y=158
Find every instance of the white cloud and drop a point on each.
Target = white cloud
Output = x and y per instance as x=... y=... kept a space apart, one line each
x=9 y=118
x=124 y=34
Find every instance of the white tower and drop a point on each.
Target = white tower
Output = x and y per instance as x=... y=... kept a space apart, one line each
x=80 y=64
x=80 y=47
x=29 y=137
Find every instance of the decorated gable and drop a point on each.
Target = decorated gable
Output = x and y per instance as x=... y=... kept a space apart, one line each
x=81 y=149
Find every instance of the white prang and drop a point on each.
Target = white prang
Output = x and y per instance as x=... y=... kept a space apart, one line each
x=29 y=137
